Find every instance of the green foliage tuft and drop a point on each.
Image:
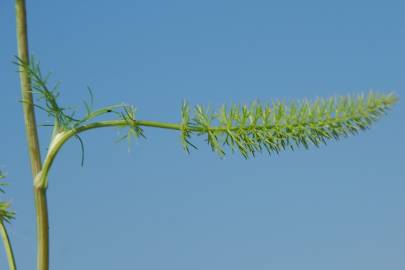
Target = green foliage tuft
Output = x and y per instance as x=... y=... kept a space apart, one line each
x=48 y=95
x=134 y=131
x=64 y=118
x=5 y=214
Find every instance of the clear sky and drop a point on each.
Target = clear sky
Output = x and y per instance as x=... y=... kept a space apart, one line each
x=155 y=207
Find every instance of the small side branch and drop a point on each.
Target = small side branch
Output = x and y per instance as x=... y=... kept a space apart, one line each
x=7 y=246
x=253 y=129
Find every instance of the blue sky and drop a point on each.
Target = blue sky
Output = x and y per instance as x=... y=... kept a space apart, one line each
x=155 y=207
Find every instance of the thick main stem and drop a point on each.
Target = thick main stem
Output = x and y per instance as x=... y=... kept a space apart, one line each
x=32 y=137
x=26 y=93
x=7 y=247
x=42 y=228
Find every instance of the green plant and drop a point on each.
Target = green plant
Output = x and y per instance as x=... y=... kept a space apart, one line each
x=248 y=129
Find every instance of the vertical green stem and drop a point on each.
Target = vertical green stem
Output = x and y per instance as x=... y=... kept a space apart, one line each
x=42 y=229
x=32 y=138
x=7 y=247
x=26 y=93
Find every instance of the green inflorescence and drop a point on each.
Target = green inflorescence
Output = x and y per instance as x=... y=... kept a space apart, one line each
x=276 y=127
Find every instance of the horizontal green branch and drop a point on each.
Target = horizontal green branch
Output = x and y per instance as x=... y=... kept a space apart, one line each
x=249 y=129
